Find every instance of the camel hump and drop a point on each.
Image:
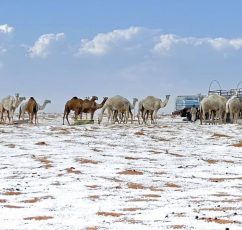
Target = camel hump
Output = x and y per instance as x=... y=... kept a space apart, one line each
x=75 y=98
x=32 y=98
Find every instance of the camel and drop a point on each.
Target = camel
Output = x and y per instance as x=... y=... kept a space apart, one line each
x=32 y=109
x=151 y=105
x=119 y=103
x=233 y=108
x=94 y=107
x=213 y=104
x=75 y=104
x=121 y=115
x=23 y=106
x=9 y=105
x=42 y=107
x=89 y=105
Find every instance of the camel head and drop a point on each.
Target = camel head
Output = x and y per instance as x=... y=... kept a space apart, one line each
x=167 y=97
x=47 y=101
x=17 y=95
x=135 y=100
x=94 y=98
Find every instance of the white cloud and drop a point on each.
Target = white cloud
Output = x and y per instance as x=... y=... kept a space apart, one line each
x=167 y=41
x=103 y=42
x=6 y=29
x=43 y=45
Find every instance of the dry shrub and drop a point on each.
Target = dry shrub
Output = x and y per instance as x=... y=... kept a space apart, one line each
x=40 y=143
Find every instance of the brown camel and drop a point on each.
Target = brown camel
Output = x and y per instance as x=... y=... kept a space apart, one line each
x=32 y=109
x=88 y=105
x=94 y=107
x=75 y=104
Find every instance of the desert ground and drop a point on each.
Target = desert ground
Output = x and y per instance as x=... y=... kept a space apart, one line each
x=171 y=175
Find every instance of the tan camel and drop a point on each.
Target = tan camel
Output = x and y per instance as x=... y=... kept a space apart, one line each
x=94 y=107
x=88 y=105
x=152 y=105
x=233 y=108
x=32 y=109
x=119 y=103
x=75 y=104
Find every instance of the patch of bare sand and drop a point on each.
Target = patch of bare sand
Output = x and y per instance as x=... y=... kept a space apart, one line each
x=172 y=185
x=11 y=193
x=39 y=218
x=46 y=163
x=12 y=206
x=130 y=172
x=72 y=170
x=177 y=226
x=219 y=221
x=86 y=161
x=220 y=135
x=93 y=197
x=238 y=144
x=135 y=186
x=113 y=214
x=223 y=179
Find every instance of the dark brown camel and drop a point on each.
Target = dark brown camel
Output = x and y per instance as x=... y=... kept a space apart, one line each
x=32 y=109
x=94 y=107
x=75 y=104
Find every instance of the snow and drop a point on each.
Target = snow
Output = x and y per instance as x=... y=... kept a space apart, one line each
x=173 y=175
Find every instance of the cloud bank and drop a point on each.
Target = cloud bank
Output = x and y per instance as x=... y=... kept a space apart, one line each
x=42 y=46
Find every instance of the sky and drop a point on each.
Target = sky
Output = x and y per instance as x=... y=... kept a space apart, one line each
x=63 y=48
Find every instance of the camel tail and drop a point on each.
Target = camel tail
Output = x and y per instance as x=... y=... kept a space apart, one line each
x=201 y=113
x=20 y=112
x=227 y=107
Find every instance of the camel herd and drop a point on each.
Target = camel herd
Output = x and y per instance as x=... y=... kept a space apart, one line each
x=9 y=104
x=119 y=109
x=218 y=108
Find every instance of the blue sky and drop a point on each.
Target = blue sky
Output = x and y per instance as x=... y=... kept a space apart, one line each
x=58 y=49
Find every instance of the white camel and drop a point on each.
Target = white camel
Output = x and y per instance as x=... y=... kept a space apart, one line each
x=213 y=104
x=9 y=105
x=121 y=115
x=116 y=103
x=151 y=105
x=233 y=107
x=42 y=107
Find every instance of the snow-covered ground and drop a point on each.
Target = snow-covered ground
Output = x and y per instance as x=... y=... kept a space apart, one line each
x=173 y=175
